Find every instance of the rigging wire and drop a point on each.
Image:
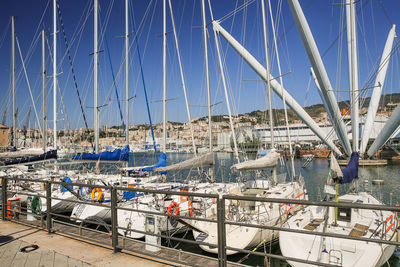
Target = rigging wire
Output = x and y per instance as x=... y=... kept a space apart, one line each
x=72 y=69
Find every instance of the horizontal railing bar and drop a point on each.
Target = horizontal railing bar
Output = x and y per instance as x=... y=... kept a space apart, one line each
x=315 y=233
x=314 y=203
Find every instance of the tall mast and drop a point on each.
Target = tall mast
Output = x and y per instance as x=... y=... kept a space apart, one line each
x=203 y=11
x=267 y=70
x=283 y=97
x=164 y=77
x=182 y=76
x=13 y=82
x=44 y=92
x=55 y=72
x=127 y=70
x=221 y=68
x=271 y=120
x=353 y=69
x=95 y=81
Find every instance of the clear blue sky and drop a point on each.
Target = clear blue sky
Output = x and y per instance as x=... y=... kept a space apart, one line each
x=324 y=18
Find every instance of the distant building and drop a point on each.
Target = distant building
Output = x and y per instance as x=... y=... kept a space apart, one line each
x=4 y=135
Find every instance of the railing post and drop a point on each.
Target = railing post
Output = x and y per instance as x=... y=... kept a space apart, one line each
x=48 y=207
x=221 y=232
x=114 y=220
x=4 y=182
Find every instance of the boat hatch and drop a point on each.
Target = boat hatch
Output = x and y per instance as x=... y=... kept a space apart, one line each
x=344 y=214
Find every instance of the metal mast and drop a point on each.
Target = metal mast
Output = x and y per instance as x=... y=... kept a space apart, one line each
x=283 y=97
x=271 y=120
x=13 y=83
x=267 y=70
x=127 y=70
x=95 y=81
x=210 y=133
x=203 y=11
x=44 y=93
x=55 y=72
x=164 y=77
x=353 y=70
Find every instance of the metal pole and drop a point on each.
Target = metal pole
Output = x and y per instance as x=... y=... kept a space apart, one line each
x=127 y=70
x=279 y=90
x=210 y=133
x=376 y=94
x=228 y=106
x=221 y=232
x=13 y=82
x=321 y=74
x=182 y=78
x=353 y=69
x=4 y=198
x=48 y=207
x=55 y=73
x=95 y=81
x=44 y=93
x=114 y=220
x=164 y=77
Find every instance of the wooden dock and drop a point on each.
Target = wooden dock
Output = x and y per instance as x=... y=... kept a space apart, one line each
x=77 y=246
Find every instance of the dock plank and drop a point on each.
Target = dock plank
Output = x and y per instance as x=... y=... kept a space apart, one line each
x=74 y=263
x=21 y=257
x=11 y=250
x=34 y=258
x=47 y=259
x=60 y=260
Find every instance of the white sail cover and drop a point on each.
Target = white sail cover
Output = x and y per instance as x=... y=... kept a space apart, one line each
x=268 y=161
x=205 y=160
x=335 y=168
x=21 y=153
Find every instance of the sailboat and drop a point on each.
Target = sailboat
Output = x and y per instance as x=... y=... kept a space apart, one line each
x=262 y=213
x=371 y=224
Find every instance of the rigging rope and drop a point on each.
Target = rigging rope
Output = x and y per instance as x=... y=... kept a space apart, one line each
x=29 y=86
x=115 y=85
x=143 y=82
x=72 y=70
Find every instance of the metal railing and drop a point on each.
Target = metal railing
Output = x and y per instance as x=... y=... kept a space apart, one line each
x=48 y=218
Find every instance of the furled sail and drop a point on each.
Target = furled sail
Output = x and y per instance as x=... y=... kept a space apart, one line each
x=200 y=161
x=116 y=155
x=162 y=162
x=268 y=161
x=351 y=170
x=336 y=172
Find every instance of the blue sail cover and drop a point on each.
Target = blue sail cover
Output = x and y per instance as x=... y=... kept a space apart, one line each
x=351 y=170
x=66 y=180
x=116 y=155
x=162 y=162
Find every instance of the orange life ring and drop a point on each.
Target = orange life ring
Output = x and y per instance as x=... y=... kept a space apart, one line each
x=190 y=208
x=173 y=204
x=99 y=195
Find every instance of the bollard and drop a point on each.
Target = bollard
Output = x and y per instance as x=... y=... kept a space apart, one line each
x=4 y=198
x=114 y=220
x=48 y=207
x=221 y=232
